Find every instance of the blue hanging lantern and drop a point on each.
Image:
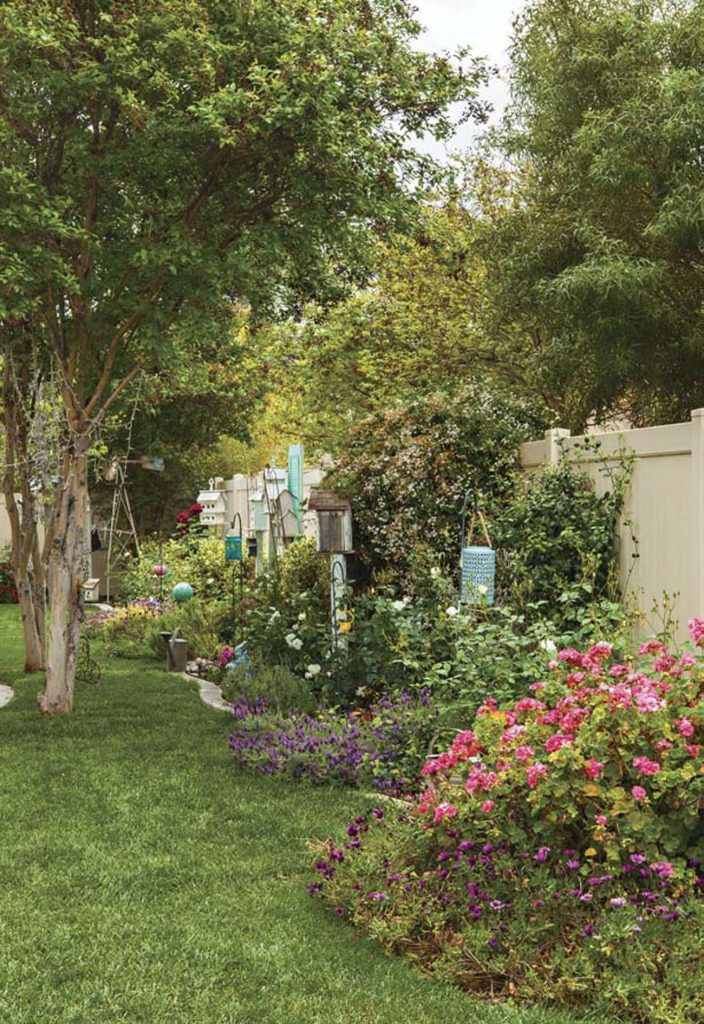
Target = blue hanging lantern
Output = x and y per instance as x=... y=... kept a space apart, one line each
x=477 y=562
x=478 y=575
x=233 y=549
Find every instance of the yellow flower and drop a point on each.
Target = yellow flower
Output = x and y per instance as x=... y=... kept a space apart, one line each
x=345 y=627
x=591 y=852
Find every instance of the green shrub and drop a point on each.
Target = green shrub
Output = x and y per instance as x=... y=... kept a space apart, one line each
x=406 y=472
x=200 y=622
x=275 y=684
x=557 y=537
x=193 y=558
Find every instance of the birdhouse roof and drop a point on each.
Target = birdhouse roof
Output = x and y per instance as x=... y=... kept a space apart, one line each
x=328 y=501
x=209 y=496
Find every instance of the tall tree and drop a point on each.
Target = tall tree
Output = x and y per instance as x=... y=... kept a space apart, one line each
x=156 y=155
x=602 y=258
x=422 y=324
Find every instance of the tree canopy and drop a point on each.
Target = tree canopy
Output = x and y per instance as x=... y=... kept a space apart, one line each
x=602 y=254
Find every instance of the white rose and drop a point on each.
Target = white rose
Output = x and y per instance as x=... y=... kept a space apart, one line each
x=302 y=617
x=481 y=589
x=314 y=670
x=297 y=644
x=398 y=606
x=291 y=639
x=452 y=611
x=548 y=645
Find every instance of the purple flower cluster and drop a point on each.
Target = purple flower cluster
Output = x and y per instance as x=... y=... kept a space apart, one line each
x=358 y=746
x=493 y=887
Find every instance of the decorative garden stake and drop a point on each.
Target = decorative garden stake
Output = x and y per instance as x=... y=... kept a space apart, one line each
x=478 y=563
x=182 y=592
x=233 y=553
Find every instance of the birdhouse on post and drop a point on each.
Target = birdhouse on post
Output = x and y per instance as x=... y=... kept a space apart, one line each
x=334 y=515
x=213 y=507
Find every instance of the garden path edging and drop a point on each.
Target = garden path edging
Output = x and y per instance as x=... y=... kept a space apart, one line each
x=210 y=693
x=6 y=695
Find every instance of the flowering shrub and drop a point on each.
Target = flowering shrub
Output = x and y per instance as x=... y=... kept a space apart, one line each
x=383 y=746
x=123 y=629
x=557 y=842
x=8 y=588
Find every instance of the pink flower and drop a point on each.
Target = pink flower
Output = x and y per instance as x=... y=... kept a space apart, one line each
x=524 y=753
x=528 y=704
x=557 y=741
x=696 y=630
x=663 y=868
x=685 y=727
x=692 y=749
x=600 y=650
x=601 y=819
x=652 y=647
x=647 y=701
x=488 y=806
x=536 y=687
x=593 y=768
x=663 y=745
x=480 y=778
x=535 y=773
x=619 y=670
x=571 y=657
x=444 y=810
x=638 y=793
x=645 y=766
x=513 y=733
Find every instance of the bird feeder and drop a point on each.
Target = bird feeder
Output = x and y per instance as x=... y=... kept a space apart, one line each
x=251 y=547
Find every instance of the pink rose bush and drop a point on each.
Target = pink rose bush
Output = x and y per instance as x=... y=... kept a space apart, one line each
x=561 y=839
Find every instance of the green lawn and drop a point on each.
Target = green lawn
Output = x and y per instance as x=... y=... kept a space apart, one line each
x=144 y=879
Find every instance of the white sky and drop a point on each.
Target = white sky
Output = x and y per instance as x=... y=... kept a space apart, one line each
x=485 y=26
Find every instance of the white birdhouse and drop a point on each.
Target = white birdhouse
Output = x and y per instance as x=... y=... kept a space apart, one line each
x=213 y=511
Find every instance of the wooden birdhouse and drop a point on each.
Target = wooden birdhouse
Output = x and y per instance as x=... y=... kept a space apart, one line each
x=334 y=515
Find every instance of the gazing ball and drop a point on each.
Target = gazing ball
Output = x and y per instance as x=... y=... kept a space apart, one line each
x=182 y=592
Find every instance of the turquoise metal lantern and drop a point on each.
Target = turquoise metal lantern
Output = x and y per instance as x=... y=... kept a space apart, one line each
x=182 y=592
x=477 y=562
x=478 y=575
x=233 y=549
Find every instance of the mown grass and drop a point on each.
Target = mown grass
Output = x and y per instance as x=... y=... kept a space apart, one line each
x=143 y=879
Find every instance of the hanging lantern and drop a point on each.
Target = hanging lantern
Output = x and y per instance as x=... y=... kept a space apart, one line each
x=159 y=570
x=251 y=547
x=478 y=575
x=233 y=549
x=182 y=592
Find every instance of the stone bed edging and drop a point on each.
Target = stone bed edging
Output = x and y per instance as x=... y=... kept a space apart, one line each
x=6 y=695
x=210 y=693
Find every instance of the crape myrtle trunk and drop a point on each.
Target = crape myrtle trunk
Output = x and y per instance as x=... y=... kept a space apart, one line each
x=66 y=547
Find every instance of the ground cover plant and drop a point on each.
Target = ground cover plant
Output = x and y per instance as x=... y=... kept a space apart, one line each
x=557 y=851
x=145 y=879
x=382 y=746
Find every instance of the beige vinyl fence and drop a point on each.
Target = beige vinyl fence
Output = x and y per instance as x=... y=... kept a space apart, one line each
x=661 y=537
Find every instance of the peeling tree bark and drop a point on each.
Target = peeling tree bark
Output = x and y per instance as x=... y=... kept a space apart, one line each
x=66 y=546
